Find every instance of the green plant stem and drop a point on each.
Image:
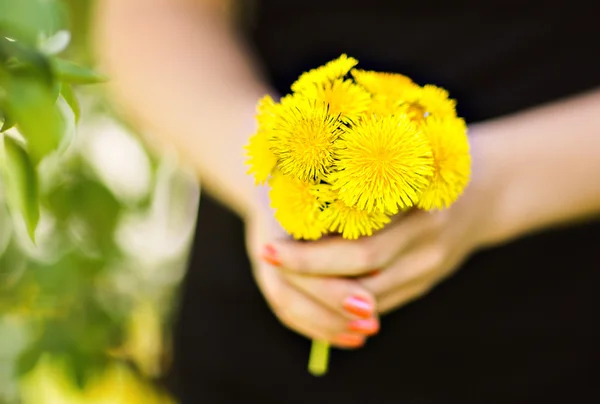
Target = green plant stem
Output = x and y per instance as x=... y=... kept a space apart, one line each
x=319 y=358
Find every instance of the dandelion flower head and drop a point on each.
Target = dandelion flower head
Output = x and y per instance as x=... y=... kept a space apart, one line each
x=429 y=100
x=452 y=162
x=297 y=207
x=302 y=138
x=261 y=159
x=352 y=222
x=343 y=97
x=384 y=163
x=336 y=69
x=380 y=83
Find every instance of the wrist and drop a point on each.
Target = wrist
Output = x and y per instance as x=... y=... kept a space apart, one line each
x=491 y=186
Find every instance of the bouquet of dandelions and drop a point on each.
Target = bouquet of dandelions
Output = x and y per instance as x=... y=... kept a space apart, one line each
x=350 y=148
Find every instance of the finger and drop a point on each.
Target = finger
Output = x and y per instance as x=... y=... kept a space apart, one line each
x=336 y=256
x=403 y=296
x=346 y=297
x=416 y=265
x=300 y=313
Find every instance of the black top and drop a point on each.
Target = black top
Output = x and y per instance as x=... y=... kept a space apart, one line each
x=514 y=324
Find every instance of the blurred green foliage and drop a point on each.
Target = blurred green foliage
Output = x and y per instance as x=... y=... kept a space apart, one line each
x=68 y=284
x=32 y=78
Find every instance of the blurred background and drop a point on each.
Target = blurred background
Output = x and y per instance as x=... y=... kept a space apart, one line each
x=85 y=311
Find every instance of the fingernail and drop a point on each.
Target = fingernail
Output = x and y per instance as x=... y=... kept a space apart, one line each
x=369 y=327
x=349 y=340
x=359 y=306
x=270 y=255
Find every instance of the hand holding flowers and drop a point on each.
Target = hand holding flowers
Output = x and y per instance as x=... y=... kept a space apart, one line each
x=345 y=156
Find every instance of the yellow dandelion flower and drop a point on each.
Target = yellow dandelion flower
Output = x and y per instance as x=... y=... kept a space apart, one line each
x=383 y=164
x=331 y=71
x=382 y=105
x=351 y=222
x=302 y=138
x=381 y=83
x=266 y=111
x=452 y=162
x=261 y=159
x=297 y=208
x=388 y=90
x=343 y=97
x=429 y=100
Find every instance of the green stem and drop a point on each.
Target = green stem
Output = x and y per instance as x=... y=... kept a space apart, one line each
x=319 y=358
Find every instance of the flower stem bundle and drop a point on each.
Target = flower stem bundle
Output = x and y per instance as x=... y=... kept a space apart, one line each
x=348 y=149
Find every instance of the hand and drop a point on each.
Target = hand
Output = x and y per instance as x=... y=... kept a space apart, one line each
x=339 y=310
x=410 y=256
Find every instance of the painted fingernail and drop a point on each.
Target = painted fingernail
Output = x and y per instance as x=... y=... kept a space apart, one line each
x=270 y=255
x=350 y=340
x=359 y=306
x=368 y=327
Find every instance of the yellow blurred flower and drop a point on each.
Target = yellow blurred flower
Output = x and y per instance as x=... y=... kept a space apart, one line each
x=266 y=111
x=297 y=207
x=145 y=342
x=382 y=105
x=302 y=138
x=452 y=162
x=261 y=159
x=48 y=383
x=388 y=90
x=381 y=83
x=383 y=164
x=343 y=97
x=429 y=100
x=331 y=71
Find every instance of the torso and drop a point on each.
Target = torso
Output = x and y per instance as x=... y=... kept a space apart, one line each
x=516 y=323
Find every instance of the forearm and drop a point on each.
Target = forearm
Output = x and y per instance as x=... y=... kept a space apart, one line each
x=542 y=166
x=178 y=72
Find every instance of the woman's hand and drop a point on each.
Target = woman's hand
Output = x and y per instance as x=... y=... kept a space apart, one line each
x=401 y=262
x=339 y=310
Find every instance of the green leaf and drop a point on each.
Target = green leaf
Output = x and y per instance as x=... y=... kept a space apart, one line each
x=77 y=367
x=67 y=92
x=93 y=205
x=22 y=61
x=38 y=118
x=7 y=124
x=21 y=182
x=72 y=73
x=28 y=359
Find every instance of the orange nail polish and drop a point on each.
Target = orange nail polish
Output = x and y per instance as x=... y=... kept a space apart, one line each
x=270 y=255
x=359 y=306
x=375 y=272
x=368 y=327
x=350 y=340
